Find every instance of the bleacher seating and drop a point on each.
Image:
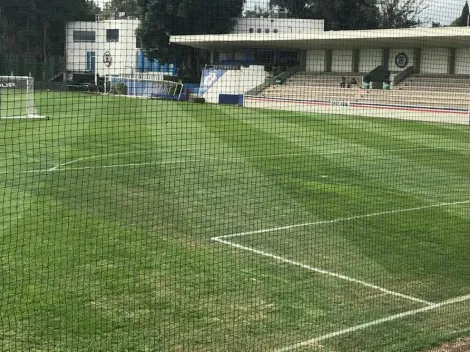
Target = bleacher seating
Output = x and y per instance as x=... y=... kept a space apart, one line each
x=235 y=62
x=454 y=83
x=446 y=91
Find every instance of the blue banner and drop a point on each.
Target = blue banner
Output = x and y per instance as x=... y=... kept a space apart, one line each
x=208 y=79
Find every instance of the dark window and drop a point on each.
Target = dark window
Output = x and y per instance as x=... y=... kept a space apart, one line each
x=112 y=35
x=84 y=36
x=275 y=30
x=90 y=61
x=266 y=30
x=258 y=30
x=251 y=30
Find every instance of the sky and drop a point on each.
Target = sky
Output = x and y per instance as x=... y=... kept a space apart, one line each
x=443 y=11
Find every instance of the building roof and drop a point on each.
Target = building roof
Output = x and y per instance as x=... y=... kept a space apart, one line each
x=441 y=37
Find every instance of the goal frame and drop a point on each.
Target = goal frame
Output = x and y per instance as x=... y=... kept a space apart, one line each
x=30 y=110
x=131 y=81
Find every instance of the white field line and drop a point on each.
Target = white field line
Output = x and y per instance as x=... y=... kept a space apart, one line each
x=333 y=221
x=321 y=271
x=223 y=239
x=60 y=167
x=390 y=318
x=74 y=161
x=88 y=158
x=180 y=161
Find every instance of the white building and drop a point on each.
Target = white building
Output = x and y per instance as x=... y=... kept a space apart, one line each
x=277 y=25
x=110 y=47
x=106 y=47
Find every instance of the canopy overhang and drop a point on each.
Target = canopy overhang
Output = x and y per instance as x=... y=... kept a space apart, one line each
x=447 y=37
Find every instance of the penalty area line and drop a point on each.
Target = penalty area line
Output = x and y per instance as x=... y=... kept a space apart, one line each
x=359 y=327
x=334 y=221
x=322 y=271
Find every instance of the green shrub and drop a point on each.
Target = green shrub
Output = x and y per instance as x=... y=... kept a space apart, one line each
x=121 y=88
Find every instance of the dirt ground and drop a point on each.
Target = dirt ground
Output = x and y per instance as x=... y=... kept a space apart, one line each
x=461 y=345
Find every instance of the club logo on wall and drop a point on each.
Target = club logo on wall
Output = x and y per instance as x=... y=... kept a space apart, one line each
x=210 y=79
x=107 y=59
x=401 y=60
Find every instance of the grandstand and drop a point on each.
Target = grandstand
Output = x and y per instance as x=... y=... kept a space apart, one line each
x=442 y=91
x=426 y=75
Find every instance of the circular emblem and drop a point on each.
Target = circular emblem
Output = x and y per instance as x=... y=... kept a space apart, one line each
x=401 y=60
x=107 y=59
x=210 y=79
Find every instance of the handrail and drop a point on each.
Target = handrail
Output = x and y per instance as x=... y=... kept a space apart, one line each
x=272 y=80
x=403 y=74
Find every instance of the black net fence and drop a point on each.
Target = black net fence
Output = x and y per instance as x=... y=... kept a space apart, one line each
x=230 y=175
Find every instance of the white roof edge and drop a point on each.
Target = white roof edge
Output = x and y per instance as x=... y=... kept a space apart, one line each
x=327 y=35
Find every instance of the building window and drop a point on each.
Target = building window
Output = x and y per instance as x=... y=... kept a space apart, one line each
x=266 y=30
x=112 y=35
x=251 y=30
x=84 y=36
x=90 y=61
x=275 y=30
x=258 y=30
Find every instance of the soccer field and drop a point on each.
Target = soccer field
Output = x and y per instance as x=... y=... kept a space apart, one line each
x=12 y=102
x=138 y=225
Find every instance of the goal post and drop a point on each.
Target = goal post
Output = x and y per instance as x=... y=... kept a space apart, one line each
x=17 y=98
x=144 y=87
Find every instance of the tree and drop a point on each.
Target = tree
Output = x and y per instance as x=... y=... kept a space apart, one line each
x=36 y=28
x=162 y=18
x=129 y=7
x=257 y=12
x=462 y=20
x=296 y=8
x=360 y=14
x=401 y=13
x=348 y=14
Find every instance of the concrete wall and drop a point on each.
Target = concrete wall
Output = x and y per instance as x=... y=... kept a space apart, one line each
x=393 y=54
x=225 y=55
x=282 y=25
x=435 y=60
x=123 y=52
x=236 y=82
x=370 y=59
x=315 y=61
x=462 y=61
x=342 y=61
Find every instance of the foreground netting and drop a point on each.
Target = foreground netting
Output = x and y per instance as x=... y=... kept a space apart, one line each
x=17 y=98
x=209 y=180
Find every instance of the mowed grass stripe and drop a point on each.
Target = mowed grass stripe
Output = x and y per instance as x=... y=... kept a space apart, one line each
x=124 y=256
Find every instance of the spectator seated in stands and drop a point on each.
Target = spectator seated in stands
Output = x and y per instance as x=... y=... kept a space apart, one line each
x=343 y=82
x=351 y=82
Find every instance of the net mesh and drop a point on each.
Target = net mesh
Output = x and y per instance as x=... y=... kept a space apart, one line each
x=231 y=176
x=17 y=97
x=144 y=86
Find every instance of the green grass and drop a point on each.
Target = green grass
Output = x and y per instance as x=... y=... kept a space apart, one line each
x=12 y=102
x=108 y=210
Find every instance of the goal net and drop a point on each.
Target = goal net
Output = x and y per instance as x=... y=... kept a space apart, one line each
x=139 y=86
x=17 y=97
